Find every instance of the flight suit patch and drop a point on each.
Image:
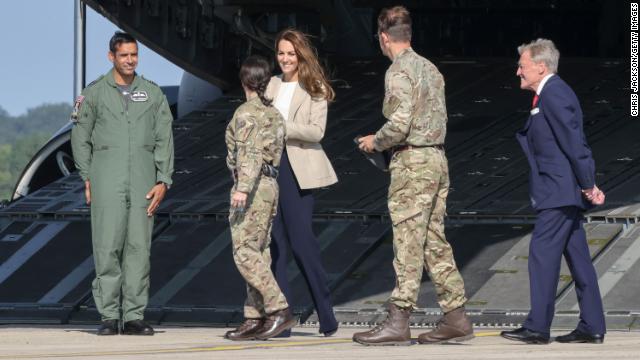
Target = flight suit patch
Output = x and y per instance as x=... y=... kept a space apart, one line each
x=139 y=96
x=390 y=105
x=76 y=108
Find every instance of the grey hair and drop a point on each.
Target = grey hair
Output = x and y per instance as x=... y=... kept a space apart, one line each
x=542 y=50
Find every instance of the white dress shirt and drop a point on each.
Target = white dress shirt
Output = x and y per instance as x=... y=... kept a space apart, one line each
x=544 y=81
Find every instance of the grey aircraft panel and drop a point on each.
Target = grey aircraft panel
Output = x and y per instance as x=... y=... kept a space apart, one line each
x=618 y=269
x=508 y=288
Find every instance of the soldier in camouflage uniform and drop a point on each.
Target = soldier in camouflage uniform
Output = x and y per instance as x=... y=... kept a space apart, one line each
x=414 y=106
x=255 y=140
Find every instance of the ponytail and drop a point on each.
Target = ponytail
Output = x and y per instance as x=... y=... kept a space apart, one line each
x=262 y=88
x=255 y=74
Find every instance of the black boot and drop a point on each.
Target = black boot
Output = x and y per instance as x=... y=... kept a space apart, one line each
x=137 y=327
x=109 y=327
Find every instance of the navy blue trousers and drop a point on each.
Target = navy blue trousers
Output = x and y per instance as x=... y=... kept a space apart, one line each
x=292 y=228
x=559 y=232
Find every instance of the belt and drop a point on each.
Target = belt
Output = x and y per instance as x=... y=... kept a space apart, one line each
x=270 y=170
x=266 y=170
x=410 y=147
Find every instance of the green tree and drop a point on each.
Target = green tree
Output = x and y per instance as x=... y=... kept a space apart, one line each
x=5 y=171
x=23 y=150
x=46 y=118
x=22 y=136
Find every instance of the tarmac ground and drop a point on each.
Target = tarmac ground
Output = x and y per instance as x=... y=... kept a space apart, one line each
x=80 y=342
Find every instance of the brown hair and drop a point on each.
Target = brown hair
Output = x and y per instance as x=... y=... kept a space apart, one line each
x=312 y=76
x=395 y=22
x=255 y=74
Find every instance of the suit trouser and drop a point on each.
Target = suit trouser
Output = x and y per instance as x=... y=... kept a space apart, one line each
x=121 y=237
x=250 y=238
x=559 y=232
x=417 y=206
x=292 y=227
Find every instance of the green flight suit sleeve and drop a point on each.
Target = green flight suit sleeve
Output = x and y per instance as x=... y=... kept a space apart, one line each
x=81 y=145
x=397 y=109
x=248 y=155
x=163 y=150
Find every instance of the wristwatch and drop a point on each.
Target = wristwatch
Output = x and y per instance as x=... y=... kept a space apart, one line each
x=165 y=184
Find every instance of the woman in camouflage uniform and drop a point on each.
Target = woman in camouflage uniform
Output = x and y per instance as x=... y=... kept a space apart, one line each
x=255 y=139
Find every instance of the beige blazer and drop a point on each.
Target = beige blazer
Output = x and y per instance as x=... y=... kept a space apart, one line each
x=306 y=124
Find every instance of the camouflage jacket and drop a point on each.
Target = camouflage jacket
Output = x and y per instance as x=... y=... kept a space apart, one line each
x=254 y=136
x=414 y=103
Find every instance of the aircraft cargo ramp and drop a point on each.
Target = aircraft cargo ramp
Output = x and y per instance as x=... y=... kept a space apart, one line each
x=45 y=255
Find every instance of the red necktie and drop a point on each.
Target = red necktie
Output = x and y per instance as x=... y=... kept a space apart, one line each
x=535 y=101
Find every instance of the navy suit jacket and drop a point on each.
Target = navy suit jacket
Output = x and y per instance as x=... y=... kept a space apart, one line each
x=556 y=148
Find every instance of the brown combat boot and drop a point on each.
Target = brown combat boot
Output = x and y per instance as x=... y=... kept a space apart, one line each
x=393 y=331
x=454 y=326
x=246 y=331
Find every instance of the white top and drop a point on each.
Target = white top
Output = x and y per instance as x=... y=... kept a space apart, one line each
x=544 y=81
x=282 y=101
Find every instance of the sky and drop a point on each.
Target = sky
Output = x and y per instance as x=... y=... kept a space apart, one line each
x=36 y=63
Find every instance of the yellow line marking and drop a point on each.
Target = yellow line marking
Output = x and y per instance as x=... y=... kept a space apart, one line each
x=488 y=333
x=277 y=345
x=183 y=350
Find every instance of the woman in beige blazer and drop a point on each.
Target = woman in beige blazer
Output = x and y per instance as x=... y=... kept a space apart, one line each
x=301 y=94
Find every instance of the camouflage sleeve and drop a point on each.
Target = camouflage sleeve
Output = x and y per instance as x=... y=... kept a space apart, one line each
x=397 y=109
x=248 y=153
x=84 y=119
x=231 y=146
x=163 y=150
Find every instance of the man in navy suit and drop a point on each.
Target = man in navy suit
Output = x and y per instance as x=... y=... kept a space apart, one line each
x=562 y=186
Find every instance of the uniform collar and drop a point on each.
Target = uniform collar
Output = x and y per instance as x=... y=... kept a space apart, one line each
x=112 y=82
x=402 y=53
x=255 y=99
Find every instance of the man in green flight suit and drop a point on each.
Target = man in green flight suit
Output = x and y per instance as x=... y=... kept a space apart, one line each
x=123 y=148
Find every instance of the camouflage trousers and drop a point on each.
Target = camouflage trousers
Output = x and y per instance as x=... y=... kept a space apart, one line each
x=250 y=235
x=417 y=206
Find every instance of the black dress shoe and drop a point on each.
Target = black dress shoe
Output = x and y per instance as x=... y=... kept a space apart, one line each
x=137 y=327
x=526 y=335
x=577 y=336
x=109 y=327
x=330 y=332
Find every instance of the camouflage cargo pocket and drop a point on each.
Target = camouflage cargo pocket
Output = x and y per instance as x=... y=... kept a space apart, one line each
x=402 y=199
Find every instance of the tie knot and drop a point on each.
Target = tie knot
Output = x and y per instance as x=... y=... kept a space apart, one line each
x=535 y=101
